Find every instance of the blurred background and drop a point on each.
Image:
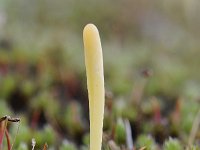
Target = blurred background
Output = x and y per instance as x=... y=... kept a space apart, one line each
x=151 y=59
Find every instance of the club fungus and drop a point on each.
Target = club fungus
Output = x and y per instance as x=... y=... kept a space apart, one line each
x=95 y=83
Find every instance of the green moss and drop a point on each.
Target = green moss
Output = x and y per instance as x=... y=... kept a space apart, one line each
x=120 y=132
x=5 y=110
x=8 y=83
x=172 y=144
x=146 y=141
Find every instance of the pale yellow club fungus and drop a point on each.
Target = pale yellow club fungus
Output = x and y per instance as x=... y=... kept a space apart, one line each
x=95 y=83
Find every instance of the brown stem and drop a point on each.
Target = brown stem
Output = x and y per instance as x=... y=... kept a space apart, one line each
x=35 y=118
x=45 y=146
x=3 y=125
x=8 y=139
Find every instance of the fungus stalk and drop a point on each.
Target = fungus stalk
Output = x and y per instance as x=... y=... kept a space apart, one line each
x=95 y=83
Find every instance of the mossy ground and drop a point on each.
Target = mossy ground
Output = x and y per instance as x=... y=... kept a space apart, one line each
x=152 y=78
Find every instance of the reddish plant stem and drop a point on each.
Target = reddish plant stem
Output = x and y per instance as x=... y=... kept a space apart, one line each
x=8 y=139
x=2 y=131
x=1 y=134
x=45 y=146
x=35 y=119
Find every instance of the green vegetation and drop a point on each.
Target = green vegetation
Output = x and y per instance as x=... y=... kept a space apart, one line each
x=152 y=77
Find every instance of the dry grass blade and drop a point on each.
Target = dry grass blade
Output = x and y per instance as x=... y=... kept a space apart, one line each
x=194 y=130
x=9 y=119
x=33 y=143
x=16 y=120
x=143 y=148
x=129 y=139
